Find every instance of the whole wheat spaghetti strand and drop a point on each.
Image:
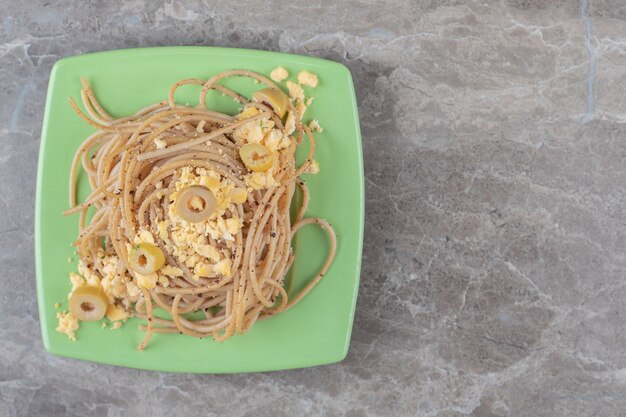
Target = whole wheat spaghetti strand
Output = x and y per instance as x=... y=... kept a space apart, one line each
x=331 y=255
x=148 y=336
x=94 y=101
x=198 y=141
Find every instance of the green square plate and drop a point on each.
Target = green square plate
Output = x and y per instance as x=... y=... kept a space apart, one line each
x=316 y=331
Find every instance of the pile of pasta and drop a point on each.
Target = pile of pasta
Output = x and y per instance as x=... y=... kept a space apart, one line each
x=189 y=211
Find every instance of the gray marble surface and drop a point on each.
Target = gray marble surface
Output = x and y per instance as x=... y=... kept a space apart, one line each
x=494 y=264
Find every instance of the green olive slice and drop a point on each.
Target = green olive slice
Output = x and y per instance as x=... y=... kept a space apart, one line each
x=146 y=258
x=88 y=303
x=256 y=157
x=195 y=203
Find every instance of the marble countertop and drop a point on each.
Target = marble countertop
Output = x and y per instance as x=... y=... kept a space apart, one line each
x=494 y=268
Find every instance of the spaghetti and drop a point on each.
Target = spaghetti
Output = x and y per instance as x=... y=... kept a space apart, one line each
x=215 y=276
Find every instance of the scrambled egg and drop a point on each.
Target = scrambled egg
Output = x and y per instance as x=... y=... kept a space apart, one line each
x=249 y=112
x=301 y=103
x=260 y=180
x=238 y=195
x=115 y=313
x=314 y=125
x=279 y=74
x=113 y=283
x=148 y=281
x=275 y=140
x=308 y=79
x=313 y=168
x=223 y=267
x=263 y=132
x=295 y=91
x=171 y=271
x=68 y=324
x=250 y=132
x=189 y=242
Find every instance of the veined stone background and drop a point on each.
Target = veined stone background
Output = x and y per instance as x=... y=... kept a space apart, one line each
x=494 y=267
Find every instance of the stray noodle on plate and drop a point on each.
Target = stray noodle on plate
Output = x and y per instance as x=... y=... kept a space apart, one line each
x=191 y=210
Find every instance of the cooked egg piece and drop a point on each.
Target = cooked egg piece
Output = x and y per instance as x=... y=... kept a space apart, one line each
x=295 y=91
x=308 y=79
x=210 y=181
x=279 y=74
x=223 y=267
x=249 y=112
x=260 y=180
x=146 y=236
x=313 y=168
x=210 y=252
x=147 y=281
x=314 y=125
x=162 y=229
x=232 y=225
x=76 y=281
x=203 y=269
x=115 y=313
x=238 y=195
x=250 y=132
x=171 y=271
x=68 y=324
